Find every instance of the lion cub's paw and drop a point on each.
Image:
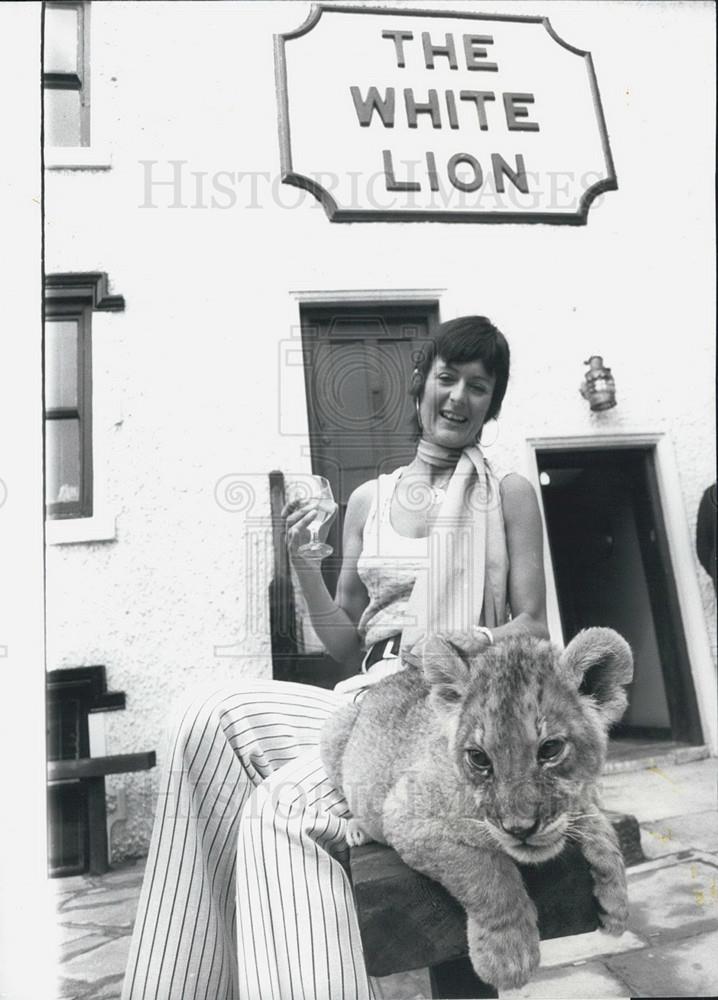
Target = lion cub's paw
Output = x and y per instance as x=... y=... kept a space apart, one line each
x=356 y=836
x=612 y=897
x=506 y=959
x=613 y=912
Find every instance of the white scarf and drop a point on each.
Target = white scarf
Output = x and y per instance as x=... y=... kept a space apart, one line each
x=465 y=584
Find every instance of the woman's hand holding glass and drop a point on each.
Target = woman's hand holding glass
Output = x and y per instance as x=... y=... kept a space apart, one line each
x=308 y=514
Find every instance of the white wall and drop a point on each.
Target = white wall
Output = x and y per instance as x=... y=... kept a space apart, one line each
x=190 y=385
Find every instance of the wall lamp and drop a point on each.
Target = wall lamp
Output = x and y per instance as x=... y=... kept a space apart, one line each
x=598 y=385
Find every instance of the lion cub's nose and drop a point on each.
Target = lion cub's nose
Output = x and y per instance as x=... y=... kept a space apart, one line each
x=520 y=830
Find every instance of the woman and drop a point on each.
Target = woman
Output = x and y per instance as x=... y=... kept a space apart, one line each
x=245 y=800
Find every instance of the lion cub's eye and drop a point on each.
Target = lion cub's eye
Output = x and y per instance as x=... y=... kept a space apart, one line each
x=478 y=758
x=551 y=749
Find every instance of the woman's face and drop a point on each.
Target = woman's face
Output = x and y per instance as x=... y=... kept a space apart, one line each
x=455 y=402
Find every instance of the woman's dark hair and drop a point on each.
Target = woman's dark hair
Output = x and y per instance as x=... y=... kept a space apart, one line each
x=468 y=338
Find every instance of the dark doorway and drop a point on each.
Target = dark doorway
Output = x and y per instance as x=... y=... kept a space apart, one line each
x=358 y=361
x=612 y=567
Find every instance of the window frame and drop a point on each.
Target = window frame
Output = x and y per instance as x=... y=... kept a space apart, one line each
x=56 y=309
x=73 y=294
x=80 y=80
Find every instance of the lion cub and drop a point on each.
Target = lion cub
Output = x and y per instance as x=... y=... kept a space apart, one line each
x=466 y=767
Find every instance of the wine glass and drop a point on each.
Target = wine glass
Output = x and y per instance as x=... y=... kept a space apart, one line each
x=314 y=488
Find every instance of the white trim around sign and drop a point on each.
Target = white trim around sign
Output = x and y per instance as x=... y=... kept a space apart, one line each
x=681 y=552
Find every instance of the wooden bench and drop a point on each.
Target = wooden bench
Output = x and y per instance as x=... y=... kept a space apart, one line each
x=76 y=781
x=408 y=921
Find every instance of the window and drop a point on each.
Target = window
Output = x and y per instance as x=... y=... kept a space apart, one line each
x=68 y=410
x=66 y=78
x=70 y=300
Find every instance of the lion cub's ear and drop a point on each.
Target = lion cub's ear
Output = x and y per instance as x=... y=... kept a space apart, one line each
x=600 y=662
x=443 y=668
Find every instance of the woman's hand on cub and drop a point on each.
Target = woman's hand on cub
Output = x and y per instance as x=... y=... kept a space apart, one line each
x=468 y=642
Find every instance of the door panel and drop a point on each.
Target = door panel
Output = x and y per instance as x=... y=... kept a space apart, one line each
x=358 y=362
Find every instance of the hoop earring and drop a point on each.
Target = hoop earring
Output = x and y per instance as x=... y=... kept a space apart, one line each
x=418 y=416
x=496 y=436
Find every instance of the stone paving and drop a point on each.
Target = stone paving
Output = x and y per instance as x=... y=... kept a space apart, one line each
x=669 y=949
x=95 y=915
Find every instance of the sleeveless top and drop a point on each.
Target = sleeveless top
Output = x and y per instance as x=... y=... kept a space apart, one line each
x=390 y=562
x=388 y=566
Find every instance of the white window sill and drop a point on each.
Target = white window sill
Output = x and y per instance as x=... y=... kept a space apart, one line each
x=75 y=530
x=77 y=158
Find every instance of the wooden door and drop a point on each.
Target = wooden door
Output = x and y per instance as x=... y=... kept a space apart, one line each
x=358 y=361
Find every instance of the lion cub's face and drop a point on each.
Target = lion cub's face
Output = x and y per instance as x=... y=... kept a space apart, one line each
x=527 y=731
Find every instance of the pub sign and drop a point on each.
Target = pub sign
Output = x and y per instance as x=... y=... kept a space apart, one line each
x=414 y=115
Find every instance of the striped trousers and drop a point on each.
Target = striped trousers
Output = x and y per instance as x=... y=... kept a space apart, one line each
x=244 y=894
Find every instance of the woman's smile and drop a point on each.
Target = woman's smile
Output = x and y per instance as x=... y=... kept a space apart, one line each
x=453 y=418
